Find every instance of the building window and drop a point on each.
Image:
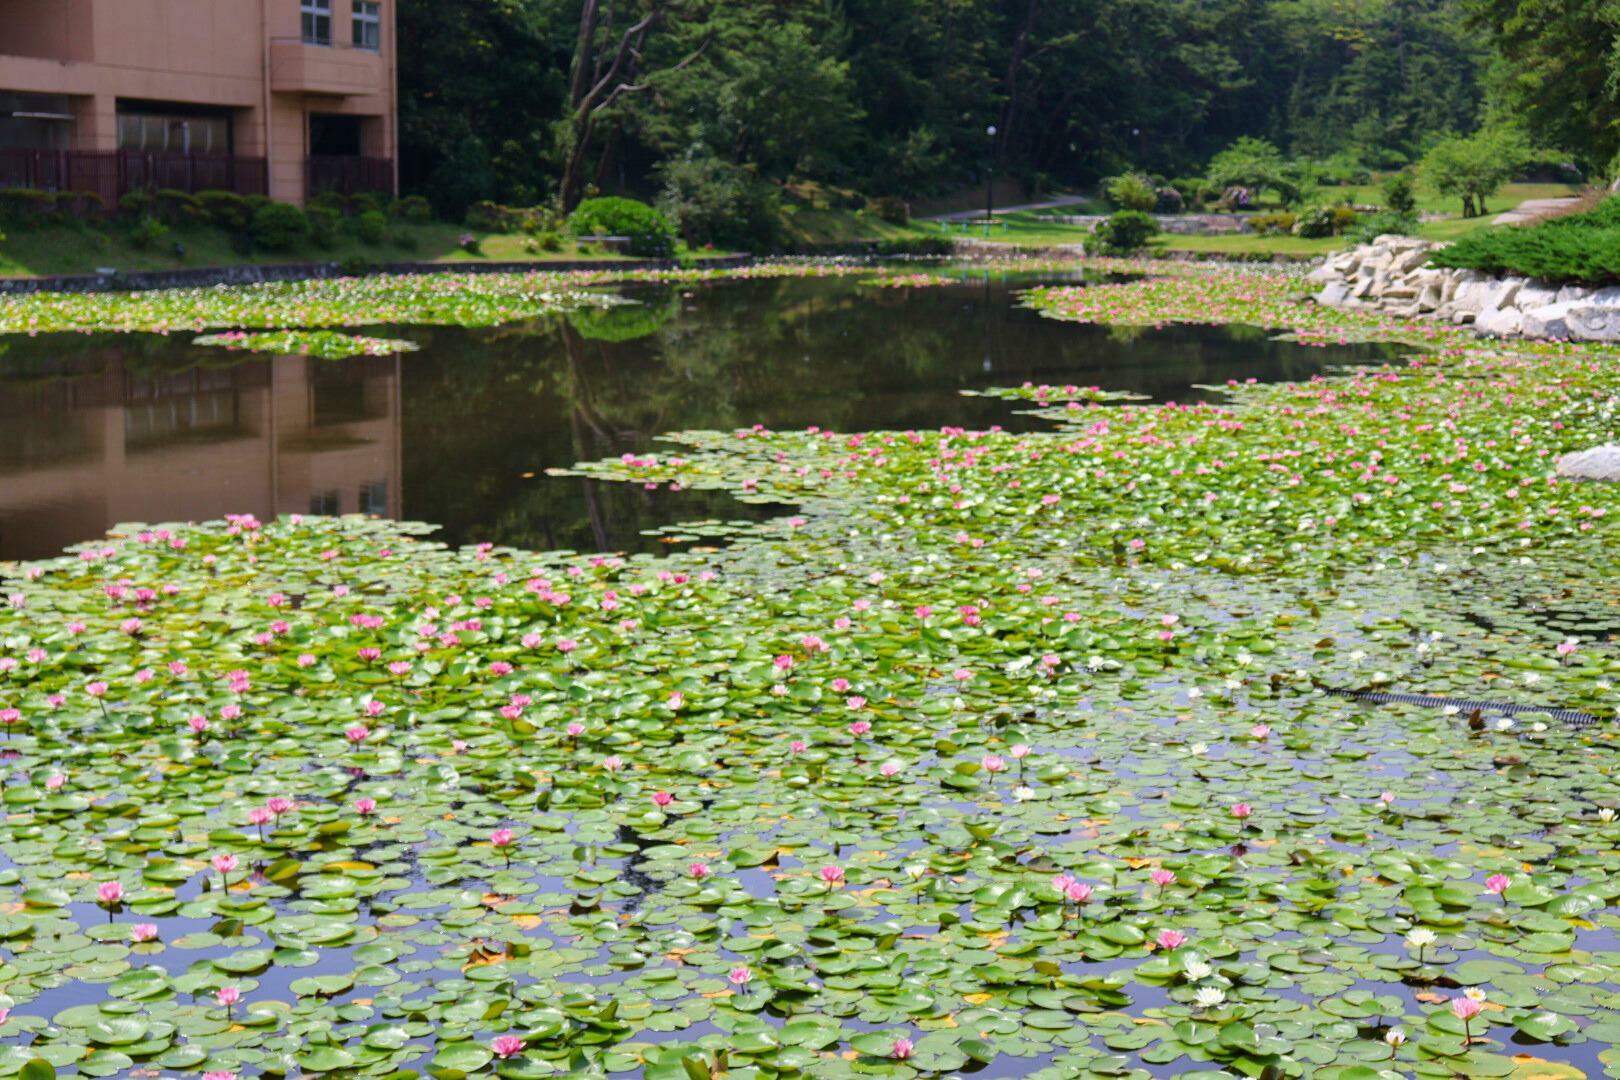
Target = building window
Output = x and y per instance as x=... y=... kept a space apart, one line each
x=374 y=498
x=317 y=19
x=326 y=504
x=175 y=134
x=368 y=25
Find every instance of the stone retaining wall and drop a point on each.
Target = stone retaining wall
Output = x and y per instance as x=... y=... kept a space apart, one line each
x=1391 y=274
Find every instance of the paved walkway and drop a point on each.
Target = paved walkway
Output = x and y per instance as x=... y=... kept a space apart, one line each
x=1533 y=210
x=975 y=215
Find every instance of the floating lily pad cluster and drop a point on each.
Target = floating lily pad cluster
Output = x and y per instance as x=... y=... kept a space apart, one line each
x=448 y=299
x=322 y=344
x=1006 y=750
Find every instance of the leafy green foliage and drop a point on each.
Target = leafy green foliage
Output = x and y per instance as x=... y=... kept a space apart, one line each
x=1473 y=167
x=279 y=226
x=712 y=201
x=1579 y=249
x=1132 y=191
x=649 y=231
x=1399 y=196
x=1124 y=232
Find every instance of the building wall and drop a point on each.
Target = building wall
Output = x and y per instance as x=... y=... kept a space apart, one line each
x=246 y=55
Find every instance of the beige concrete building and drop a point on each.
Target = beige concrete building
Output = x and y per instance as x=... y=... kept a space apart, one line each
x=277 y=97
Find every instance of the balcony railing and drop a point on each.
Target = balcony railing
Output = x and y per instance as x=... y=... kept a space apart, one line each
x=112 y=173
x=347 y=175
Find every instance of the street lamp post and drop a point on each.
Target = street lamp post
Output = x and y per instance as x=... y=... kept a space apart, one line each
x=989 y=175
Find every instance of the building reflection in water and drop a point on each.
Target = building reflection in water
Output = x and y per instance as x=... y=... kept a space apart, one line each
x=104 y=435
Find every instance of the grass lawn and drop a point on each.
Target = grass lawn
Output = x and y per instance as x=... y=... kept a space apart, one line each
x=1037 y=228
x=35 y=251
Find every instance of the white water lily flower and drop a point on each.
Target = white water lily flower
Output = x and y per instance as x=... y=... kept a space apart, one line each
x=1209 y=996
x=1197 y=969
x=1420 y=937
x=1504 y=724
x=1022 y=793
x=1395 y=1036
x=1198 y=749
x=1244 y=659
x=1194 y=693
x=1531 y=678
x=1538 y=727
x=915 y=871
x=1606 y=814
x=1095 y=662
x=1474 y=993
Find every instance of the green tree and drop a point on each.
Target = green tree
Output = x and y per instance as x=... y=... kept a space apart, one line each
x=1473 y=167
x=1559 y=71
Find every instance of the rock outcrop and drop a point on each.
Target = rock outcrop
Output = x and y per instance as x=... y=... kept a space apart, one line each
x=1392 y=275
x=1598 y=463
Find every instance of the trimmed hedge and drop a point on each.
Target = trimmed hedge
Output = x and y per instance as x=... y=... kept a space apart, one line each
x=1580 y=249
x=650 y=233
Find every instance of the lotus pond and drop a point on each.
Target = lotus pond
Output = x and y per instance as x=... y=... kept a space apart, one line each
x=1009 y=751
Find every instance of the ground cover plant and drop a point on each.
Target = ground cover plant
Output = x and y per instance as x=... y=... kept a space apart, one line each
x=1019 y=750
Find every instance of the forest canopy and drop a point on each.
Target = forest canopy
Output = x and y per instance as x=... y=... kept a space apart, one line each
x=527 y=101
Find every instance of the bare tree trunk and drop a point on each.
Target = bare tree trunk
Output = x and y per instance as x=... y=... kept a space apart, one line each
x=1015 y=64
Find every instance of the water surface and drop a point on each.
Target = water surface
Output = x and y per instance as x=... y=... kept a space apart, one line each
x=101 y=429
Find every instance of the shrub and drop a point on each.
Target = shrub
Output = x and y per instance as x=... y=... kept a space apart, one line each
x=1124 y=233
x=147 y=232
x=1319 y=221
x=916 y=245
x=1576 y=249
x=1385 y=222
x=412 y=208
x=891 y=209
x=713 y=201
x=1169 y=201
x=486 y=216
x=226 y=209
x=403 y=240
x=134 y=205
x=1196 y=192
x=173 y=207
x=279 y=226
x=470 y=244
x=365 y=202
x=26 y=206
x=328 y=200
x=1132 y=191
x=354 y=266
x=649 y=231
x=1398 y=195
x=370 y=226
x=324 y=223
x=1279 y=221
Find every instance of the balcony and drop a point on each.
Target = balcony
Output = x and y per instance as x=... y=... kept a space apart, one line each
x=335 y=70
x=348 y=175
x=110 y=173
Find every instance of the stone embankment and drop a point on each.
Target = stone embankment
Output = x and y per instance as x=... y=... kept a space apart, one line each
x=1392 y=274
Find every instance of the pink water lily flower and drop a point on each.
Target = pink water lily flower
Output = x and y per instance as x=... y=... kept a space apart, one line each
x=1242 y=810
x=110 y=893
x=507 y=1046
x=1171 y=940
x=832 y=875
x=141 y=932
x=740 y=976
x=365 y=806
x=1497 y=884
x=698 y=870
x=1161 y=878
x=662 y=799
x=902 y=1049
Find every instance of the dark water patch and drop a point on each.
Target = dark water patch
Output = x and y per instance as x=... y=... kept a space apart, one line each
x=99 y=429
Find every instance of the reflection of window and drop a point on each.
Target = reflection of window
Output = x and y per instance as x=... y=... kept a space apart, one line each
x=174 y=134
x=164 y=421
x=317 y=21
x=374 y=498
x=368 y=24
x=326 y=503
